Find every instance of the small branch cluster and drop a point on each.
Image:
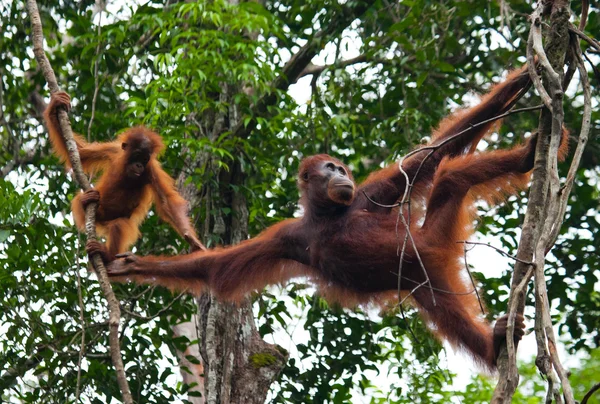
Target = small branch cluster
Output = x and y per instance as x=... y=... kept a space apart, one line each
x=406 y=198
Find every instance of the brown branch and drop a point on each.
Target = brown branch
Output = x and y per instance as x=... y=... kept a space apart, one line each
x=533 y=45
x=296 y=65
x=544 y=331
x=518 y=291
x=451 y=138
x=590 y=393
x=433 y=148
x=81 y=320
x=90 y=212
x=472 y=279
x=593 y=66
x=591 y=41
x=499 y=250
x=407 y=197
x=565 y=190
x=158 y=313
x=542 y=192
x=585 y=8
x=316 y=70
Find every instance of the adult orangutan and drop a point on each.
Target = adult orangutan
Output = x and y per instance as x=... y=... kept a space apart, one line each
x=347 y=240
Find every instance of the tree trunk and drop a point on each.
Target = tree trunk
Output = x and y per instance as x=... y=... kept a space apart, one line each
x=238 y=365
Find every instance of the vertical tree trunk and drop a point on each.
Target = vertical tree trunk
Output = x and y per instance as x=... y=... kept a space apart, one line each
x=238 y=365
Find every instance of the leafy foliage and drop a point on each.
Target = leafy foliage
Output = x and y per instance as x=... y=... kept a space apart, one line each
x=170 y=67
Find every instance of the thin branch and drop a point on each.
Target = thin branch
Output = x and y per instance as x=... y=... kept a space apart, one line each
x=518 y=290
x=90 y=213
x=593 y=65
x=445 y=291
x=590 y=393
x=312 y=69
x=158 y=313
x=594 y=43
x=499 y=250
x=545 y=178
x=434 y=147
x=451 y=138
x=472 y=279
x=543 y=328
x=408 y=235
x=407 y=197
x=81 y=320
x=585 y=8
x=565 y=190
x=535 y=36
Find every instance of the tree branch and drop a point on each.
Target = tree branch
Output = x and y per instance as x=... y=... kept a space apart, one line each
x=543 y=209
x=316 y=70
x=90 y=212
x=590 y=393
x=591 y=41
x=9 y=378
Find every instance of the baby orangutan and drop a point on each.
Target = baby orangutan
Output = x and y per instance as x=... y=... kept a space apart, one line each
x=132 y=179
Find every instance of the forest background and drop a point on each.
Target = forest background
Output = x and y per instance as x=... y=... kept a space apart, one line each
x=231 y=88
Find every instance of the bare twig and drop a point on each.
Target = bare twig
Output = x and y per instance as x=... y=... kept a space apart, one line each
x=590 y=393
x=499 y=250
x=90 y=212
x=535 y=36
x=453 y=137
x=593 y=65
x=565 y=190
x=81 y=320
x=408 y=192
x=409 y=236
x=444 y=291
x=406 y=198
x=472 y=279
x=312 y=69
x=518 y=290
x=591 y=41
x=585 y=8
x=158 y=313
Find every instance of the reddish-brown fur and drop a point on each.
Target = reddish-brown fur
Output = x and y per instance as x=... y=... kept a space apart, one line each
x=349 y=245
x=124 y=200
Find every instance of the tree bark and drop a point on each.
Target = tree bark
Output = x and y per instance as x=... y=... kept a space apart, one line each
x=540 y=197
